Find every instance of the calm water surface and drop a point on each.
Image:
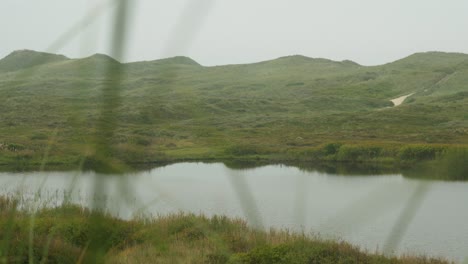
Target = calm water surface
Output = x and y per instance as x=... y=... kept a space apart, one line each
x=362 y=210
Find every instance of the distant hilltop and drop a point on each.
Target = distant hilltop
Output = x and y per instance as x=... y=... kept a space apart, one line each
x=21 y=59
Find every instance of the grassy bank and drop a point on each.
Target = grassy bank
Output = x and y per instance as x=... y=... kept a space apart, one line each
x=431 y=161
x=70 y=234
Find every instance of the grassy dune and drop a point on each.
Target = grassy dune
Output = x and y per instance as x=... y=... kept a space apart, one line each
x=70 y=234
x=284 y=109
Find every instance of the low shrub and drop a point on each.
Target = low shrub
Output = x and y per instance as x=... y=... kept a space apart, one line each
x=358 y=153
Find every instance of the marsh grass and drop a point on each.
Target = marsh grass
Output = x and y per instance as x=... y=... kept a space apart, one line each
x=449 y=165
x=62 y=235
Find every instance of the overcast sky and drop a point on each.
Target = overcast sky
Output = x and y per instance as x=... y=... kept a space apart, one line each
x=215 y=32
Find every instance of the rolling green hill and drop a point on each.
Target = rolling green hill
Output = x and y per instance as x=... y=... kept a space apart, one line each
x=287 y=108
x=22 y=59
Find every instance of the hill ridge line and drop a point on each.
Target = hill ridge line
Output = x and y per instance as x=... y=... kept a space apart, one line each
x=290 y=57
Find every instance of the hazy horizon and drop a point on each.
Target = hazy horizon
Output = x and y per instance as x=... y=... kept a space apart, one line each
x=290 y=55
x=225 y=32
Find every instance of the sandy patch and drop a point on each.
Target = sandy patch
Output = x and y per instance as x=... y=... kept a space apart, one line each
x=398 y=101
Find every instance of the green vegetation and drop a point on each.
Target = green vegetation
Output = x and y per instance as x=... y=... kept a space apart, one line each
x=70 y=234
x=450 y=165
x=291 y=108
x=64 y=112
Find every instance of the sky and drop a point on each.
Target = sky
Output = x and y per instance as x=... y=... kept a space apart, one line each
x=218 y=32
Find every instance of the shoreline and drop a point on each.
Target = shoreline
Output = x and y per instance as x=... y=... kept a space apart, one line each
x=180 y=237
x=432 y=162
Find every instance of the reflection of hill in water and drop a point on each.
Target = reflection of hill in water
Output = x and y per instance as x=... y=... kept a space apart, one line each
x=452 y=166
x=343 y=169
x=349 y=169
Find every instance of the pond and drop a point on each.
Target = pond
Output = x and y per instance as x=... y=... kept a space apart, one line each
x=377 y=212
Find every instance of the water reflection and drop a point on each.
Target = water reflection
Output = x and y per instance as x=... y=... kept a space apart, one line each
x=374 y=212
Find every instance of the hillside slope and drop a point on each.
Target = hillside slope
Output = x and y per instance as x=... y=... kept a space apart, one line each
x=176 y=108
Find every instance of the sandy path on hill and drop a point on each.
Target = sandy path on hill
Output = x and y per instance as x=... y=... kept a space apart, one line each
x=398 y=101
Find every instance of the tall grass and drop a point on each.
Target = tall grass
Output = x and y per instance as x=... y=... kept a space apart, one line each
x=177 y=238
